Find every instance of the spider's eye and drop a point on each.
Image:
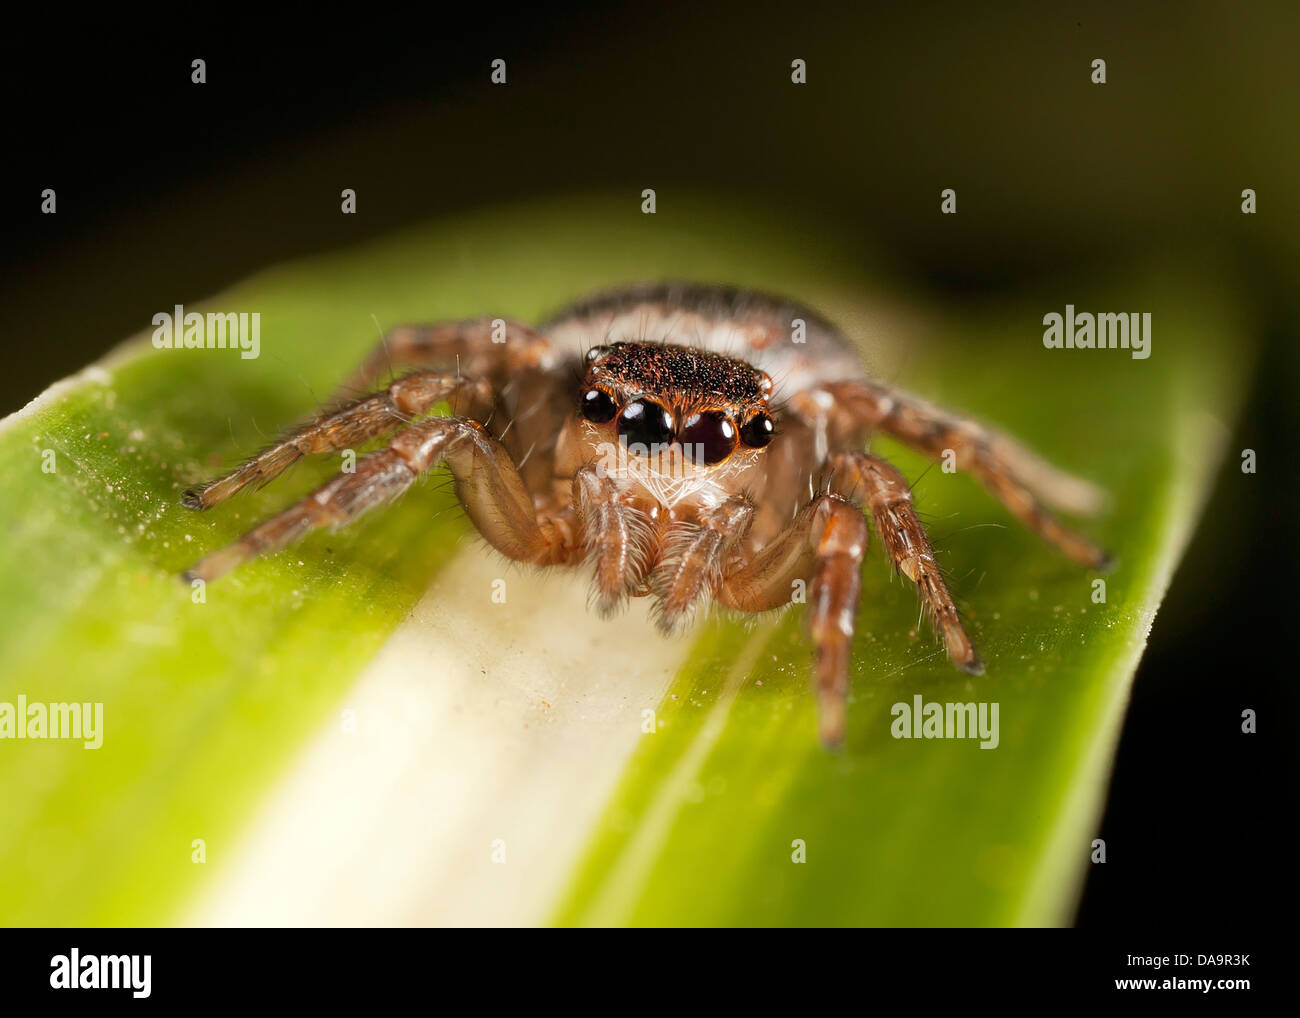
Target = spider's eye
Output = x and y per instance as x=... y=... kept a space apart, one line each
x=757 y=431
x=646 y=424
x=598 y=406
x=708 y=437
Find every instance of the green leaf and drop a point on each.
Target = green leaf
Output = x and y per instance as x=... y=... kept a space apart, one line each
x=207 y=706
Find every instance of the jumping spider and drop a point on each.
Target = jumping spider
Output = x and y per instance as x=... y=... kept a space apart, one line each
x=638 y=432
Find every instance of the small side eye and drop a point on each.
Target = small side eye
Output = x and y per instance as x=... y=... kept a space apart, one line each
x=596 y=353
x=708 y=437
x=598 y=406
x=757 y=431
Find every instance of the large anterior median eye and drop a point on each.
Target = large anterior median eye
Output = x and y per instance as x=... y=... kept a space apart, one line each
x=708 y=437
x=645 y=424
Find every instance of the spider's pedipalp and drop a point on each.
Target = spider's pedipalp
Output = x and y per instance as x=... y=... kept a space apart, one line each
x=350 y=425
x=617 y=536
x=693 y=558
x=1022 y=481
x=881 y=488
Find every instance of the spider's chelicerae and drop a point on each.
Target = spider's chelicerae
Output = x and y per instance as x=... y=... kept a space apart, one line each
x=676 y=441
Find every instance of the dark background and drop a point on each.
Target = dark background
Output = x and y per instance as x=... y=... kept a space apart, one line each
x=168 y=192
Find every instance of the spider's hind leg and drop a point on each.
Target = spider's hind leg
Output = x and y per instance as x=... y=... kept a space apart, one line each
x=475 y=346
x=1020 y=480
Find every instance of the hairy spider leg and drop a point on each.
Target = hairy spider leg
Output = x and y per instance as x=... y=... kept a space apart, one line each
x=350 y=425
x=469 y=356
x=827 y=540
x=1020 y=480
x=487 y=484
x=880 y=487
x=476 y=347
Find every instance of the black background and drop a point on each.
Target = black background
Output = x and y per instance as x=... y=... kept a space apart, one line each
x=169 y=191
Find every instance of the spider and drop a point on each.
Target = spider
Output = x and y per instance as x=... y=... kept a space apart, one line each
x=682 y=442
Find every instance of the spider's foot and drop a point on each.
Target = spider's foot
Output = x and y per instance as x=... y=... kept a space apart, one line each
x=210 y=493
x=831 y=712
x=218 y=563
x=1106 y=562
x=192 y=498
x=606 y=605
x=961 y=651
x=675 y=621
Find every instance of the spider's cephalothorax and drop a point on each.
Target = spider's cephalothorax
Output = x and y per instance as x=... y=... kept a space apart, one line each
x=686 y=443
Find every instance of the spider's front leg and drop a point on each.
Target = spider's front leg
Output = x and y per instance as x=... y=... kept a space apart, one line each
x=350 y=425
x=469 y=355
x=828 y=539
x=486 y=482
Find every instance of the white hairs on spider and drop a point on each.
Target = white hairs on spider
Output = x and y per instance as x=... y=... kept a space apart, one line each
x=668 y=473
